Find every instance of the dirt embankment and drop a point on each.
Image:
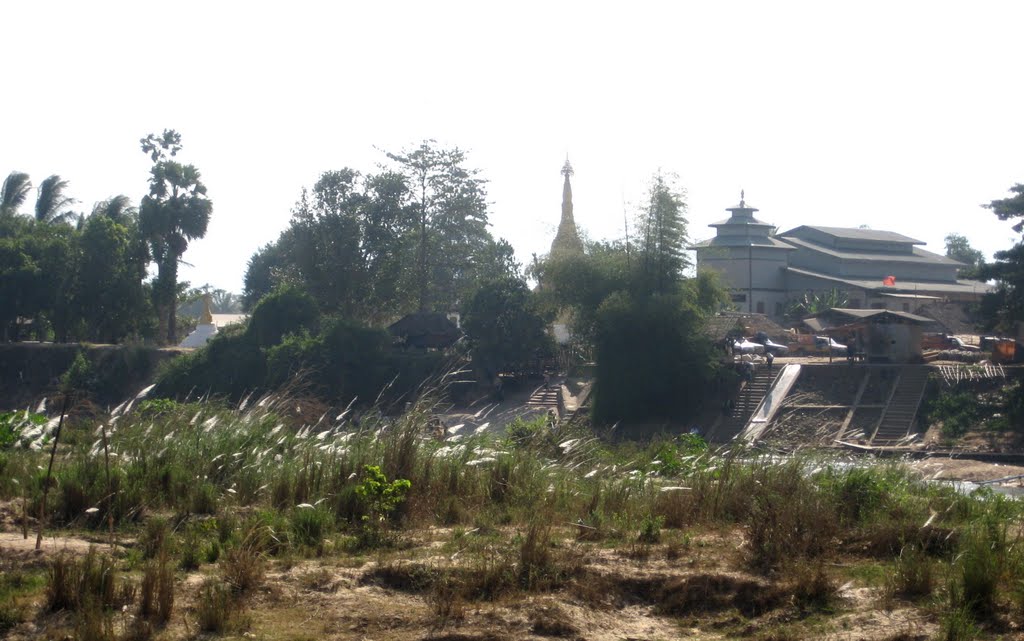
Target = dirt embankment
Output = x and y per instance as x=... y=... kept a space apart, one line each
x=32 y=371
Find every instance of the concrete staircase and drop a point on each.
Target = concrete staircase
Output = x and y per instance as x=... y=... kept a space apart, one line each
x=746 y=402
x=904 y=400
x=547 y=398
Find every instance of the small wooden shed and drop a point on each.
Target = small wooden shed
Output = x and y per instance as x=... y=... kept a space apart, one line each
x=884 y=336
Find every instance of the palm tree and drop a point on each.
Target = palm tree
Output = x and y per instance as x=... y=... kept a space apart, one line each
x=119 y=209
x=51 y=203
x=14 y=193
x=175 y=212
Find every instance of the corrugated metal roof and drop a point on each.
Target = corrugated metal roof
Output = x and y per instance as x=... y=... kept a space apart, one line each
x=741 y=241
x=917 y=254
x=721 y=324
x=959 y=287
x=855 y=233
x=868 y=313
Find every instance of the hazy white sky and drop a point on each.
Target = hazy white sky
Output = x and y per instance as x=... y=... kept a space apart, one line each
x=903 y=116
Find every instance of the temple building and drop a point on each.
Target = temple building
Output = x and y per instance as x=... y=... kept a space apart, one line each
x=871 y=269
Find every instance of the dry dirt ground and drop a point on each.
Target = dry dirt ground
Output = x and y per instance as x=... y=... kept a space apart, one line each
x=692 y=588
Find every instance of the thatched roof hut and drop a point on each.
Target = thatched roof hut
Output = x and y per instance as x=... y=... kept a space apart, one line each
x=425 y=330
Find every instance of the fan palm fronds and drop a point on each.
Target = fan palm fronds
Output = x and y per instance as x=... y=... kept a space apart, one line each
x=118 y=208
x=14 y=193
x=51 y=202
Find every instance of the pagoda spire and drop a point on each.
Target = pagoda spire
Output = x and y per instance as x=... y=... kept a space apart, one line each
x=567 y=239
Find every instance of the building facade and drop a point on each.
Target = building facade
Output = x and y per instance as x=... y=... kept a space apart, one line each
x=871 y=269
x=749 y=259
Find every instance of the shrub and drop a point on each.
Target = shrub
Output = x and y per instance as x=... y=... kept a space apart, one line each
x=74 y=583
x=191 y=551
x=814 y=589
x=93 y=623
x=652 y=359
x=242 y=565
x=957 y=625
x=309 y=526
x=976 y=576
x=957 y=411
x=913 y=574
x=788 y=519
x=445 y=600
x=287 y=310
x=650 y=530
x=204 y=499
x=379 y=498
x=540 y=566
x=156 y=600
x=155 y=538
x=214 y=606
x=230 y=365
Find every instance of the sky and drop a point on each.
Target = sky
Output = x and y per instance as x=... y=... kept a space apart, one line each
x=902 y=116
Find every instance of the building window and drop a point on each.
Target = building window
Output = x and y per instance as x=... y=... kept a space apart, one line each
x=739 y=298
x=906 y=307
x=778 y=309
x=877 y=305
x=760 y=307
x=855 y=303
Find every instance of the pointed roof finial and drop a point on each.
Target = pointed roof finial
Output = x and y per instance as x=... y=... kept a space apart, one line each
x=567 y=168
x=742 y=199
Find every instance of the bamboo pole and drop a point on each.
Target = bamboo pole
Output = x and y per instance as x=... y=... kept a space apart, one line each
x=49 y=471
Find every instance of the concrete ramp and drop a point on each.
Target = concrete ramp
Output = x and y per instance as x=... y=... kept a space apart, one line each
x=762 y=416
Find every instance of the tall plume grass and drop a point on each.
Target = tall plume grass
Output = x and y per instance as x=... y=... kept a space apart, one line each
x=287 y=467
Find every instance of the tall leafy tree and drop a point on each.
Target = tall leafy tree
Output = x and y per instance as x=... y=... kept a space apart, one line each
x=52 y=201
x=175 y=212
x=653 y=359
x=108 y=292
x=1006 y=305
x=14 y=193
x=504 y=326
x=959 y=248
x=450 y=207
x=373 y=247
x=663 y=235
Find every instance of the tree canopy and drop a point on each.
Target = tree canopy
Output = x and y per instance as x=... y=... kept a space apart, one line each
x=371 y=247
x=1006 y=305
x=505 y=328
x=959 y=248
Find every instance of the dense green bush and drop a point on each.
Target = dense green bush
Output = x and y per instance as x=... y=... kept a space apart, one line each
x=231 y=365
x=342 y=362
x=958 y=412
x=285 y=311
x=653 y=360
x=505 y=328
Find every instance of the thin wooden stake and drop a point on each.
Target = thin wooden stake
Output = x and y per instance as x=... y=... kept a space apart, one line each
x=110 y=493
x=49 y=471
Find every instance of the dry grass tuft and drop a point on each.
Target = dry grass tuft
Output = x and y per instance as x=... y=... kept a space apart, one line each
x=552 y=621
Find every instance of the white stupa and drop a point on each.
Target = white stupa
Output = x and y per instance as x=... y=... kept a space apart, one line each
x=204 y=331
